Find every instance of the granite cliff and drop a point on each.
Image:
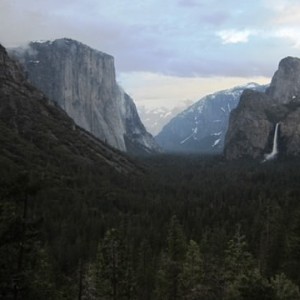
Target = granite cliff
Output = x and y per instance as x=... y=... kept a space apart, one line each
x=252 y=124
x=82 y=82
x=35 y=131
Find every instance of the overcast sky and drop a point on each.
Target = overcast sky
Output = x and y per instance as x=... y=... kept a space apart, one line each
x=167 y=51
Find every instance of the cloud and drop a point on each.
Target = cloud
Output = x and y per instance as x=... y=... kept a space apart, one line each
x=178 y=42
x=284 y=12
x=233 y=36
x=291 y=34
x=278 y=13
x=280 y=5
x=189 y=3
x=154 y=90
x=173 y=37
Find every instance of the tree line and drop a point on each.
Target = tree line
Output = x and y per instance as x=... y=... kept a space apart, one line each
x=187 y=228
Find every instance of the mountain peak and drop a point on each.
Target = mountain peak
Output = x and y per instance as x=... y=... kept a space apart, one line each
x=201 y=127
x=67 y=44
x=252 y=124
x=43 y=132
x=82 y=82
x=285 y=84
x=289 y=62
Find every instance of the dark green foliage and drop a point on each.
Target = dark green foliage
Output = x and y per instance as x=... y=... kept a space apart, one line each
x=284 y=289
x=242 y=220
x=243 y=279
x=114 y=278
x=26 y=271
x=238 y=261
x=171 y=263
x=145 y=271
x=192 y=275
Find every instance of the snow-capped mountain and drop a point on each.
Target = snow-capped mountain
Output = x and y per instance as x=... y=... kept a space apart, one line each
x=201 y=128
x=155 y=119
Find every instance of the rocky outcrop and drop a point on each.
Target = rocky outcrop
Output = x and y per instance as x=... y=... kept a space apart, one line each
x=82 y=82
x=42 y=131
x=252 y=124
x=201 y=128
x=137 y=139
x=285 y=84
x=249 y=127
x=290 y=132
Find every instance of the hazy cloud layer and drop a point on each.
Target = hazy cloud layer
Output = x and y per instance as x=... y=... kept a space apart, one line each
x=154 y=90
x=175 y=37
x=171 y=38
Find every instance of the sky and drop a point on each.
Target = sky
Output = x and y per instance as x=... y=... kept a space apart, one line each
x=167 y=51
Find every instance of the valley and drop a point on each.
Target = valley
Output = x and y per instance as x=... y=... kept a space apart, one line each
x=80 y=218
x=242 y=219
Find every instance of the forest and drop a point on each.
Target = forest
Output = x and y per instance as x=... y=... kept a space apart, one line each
x=180 y=227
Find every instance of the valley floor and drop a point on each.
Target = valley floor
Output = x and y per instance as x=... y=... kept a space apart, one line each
x=183 y=227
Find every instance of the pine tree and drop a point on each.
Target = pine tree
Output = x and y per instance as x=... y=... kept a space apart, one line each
x=10 y=223
x=113 y=273
x=19 y=239
x=243 y=279
x=42 y=282
x=145 y=271
x=171 y=263
x=237 y=258
x=292 y=263
x=88 y=282
x=284 y=289
x=192 y=274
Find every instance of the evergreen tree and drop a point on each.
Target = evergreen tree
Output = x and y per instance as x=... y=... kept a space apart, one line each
x=237 y=258
x=192 y=275
x=168 y=277
x=284 y=289
x=42 y=282
x=10 y=223
x=292 y=264
x=249 y=286
x=243 y=279
x=89 y=291
x=19 y=239
x=113 y=275
x=145 y=271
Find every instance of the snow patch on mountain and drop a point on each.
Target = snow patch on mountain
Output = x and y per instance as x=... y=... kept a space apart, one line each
x=202 y=126
x=216 y=143
x=155 y=119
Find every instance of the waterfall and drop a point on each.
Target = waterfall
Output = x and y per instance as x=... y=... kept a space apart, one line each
x=274 y=152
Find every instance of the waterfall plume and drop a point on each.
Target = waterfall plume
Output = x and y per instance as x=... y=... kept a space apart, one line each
x=274 y=152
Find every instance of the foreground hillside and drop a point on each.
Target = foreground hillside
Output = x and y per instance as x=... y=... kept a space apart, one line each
x=188 y=228
x=45 y=163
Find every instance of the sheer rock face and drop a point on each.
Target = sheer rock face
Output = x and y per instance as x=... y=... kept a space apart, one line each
x=82 y=81
x=285 y=84
x=249 y=127
x=290 y=132
x=251 y=124
x=26 y=114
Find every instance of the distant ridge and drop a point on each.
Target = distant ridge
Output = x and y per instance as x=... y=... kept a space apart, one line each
x=201 y=128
